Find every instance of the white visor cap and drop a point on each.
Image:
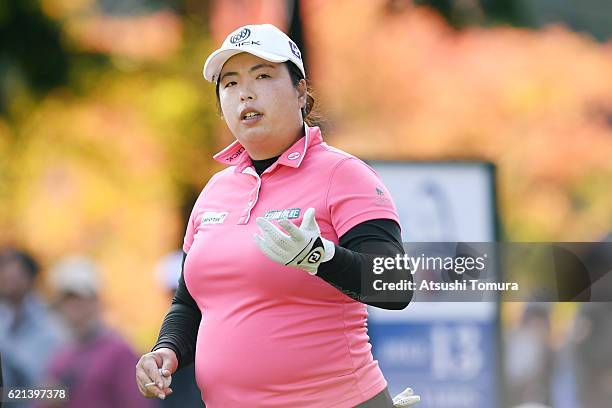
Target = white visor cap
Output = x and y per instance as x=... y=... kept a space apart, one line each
x=262 y=40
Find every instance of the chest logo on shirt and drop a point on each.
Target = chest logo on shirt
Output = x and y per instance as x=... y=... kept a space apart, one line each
x=289 y=213
x=213 y=217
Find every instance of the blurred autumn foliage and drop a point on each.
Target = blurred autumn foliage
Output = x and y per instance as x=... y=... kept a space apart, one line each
x=536 y=103
x=104 y=163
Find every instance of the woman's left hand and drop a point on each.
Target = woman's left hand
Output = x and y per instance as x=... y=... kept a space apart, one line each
x=303 y=248
x=406 y=399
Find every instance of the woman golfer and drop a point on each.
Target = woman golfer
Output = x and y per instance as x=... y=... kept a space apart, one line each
x=279 y=250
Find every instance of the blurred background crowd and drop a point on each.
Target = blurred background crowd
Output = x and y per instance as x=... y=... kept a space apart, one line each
x=107 y=131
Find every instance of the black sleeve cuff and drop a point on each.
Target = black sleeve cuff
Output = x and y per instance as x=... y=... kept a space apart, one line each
x=351 y=268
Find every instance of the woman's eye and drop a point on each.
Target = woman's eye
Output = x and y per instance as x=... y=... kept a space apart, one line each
x=263 y=76
x=231 y=83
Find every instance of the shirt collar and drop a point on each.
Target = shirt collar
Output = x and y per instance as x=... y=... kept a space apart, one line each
x=236 y=155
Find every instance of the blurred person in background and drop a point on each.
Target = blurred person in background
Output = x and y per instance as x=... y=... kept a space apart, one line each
x=97 y=366
x=529 y=358
x=185 y=390
x=591 y=336
x=279 y=319
x=29 y=333
x=592 y=354
x=583 y=375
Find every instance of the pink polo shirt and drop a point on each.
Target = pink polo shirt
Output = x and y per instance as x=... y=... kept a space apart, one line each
x=273 y=335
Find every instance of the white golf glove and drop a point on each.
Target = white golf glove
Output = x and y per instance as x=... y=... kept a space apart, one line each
x=303 y=248
x=405 y=399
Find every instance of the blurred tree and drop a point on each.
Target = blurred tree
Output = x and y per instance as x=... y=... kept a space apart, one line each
x=503 y=11
x=537 y=103
x=31 y=53
x=462 y=13
x=130 y=7
x=296 y=29
x=592 y=16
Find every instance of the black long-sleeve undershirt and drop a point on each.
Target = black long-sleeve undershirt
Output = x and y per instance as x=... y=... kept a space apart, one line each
x=179 y=330
x=350 y=271
x=351 y=268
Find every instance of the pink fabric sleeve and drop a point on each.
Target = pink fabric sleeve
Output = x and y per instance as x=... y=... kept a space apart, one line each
x=356 y=194
x=190 y=232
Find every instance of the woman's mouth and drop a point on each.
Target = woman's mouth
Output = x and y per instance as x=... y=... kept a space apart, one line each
x=251 y=117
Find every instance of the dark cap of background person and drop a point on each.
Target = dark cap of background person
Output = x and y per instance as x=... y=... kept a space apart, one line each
x=18 y=272
x=25 y=260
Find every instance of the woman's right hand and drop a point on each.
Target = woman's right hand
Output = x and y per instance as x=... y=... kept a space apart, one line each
x=150 y=369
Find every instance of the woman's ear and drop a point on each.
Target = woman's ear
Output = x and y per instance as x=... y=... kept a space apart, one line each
x=302 y=89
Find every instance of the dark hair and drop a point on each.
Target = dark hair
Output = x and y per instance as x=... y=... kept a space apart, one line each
x=309 y=116
x=24 y=259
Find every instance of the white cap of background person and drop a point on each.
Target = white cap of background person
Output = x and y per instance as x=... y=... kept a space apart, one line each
x=76 y=275
x=262 y=40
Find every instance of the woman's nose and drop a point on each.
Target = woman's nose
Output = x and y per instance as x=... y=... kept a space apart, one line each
x=245 y=97
x=246 y=94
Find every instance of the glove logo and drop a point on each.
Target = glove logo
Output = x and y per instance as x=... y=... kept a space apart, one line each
x=314 y=257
